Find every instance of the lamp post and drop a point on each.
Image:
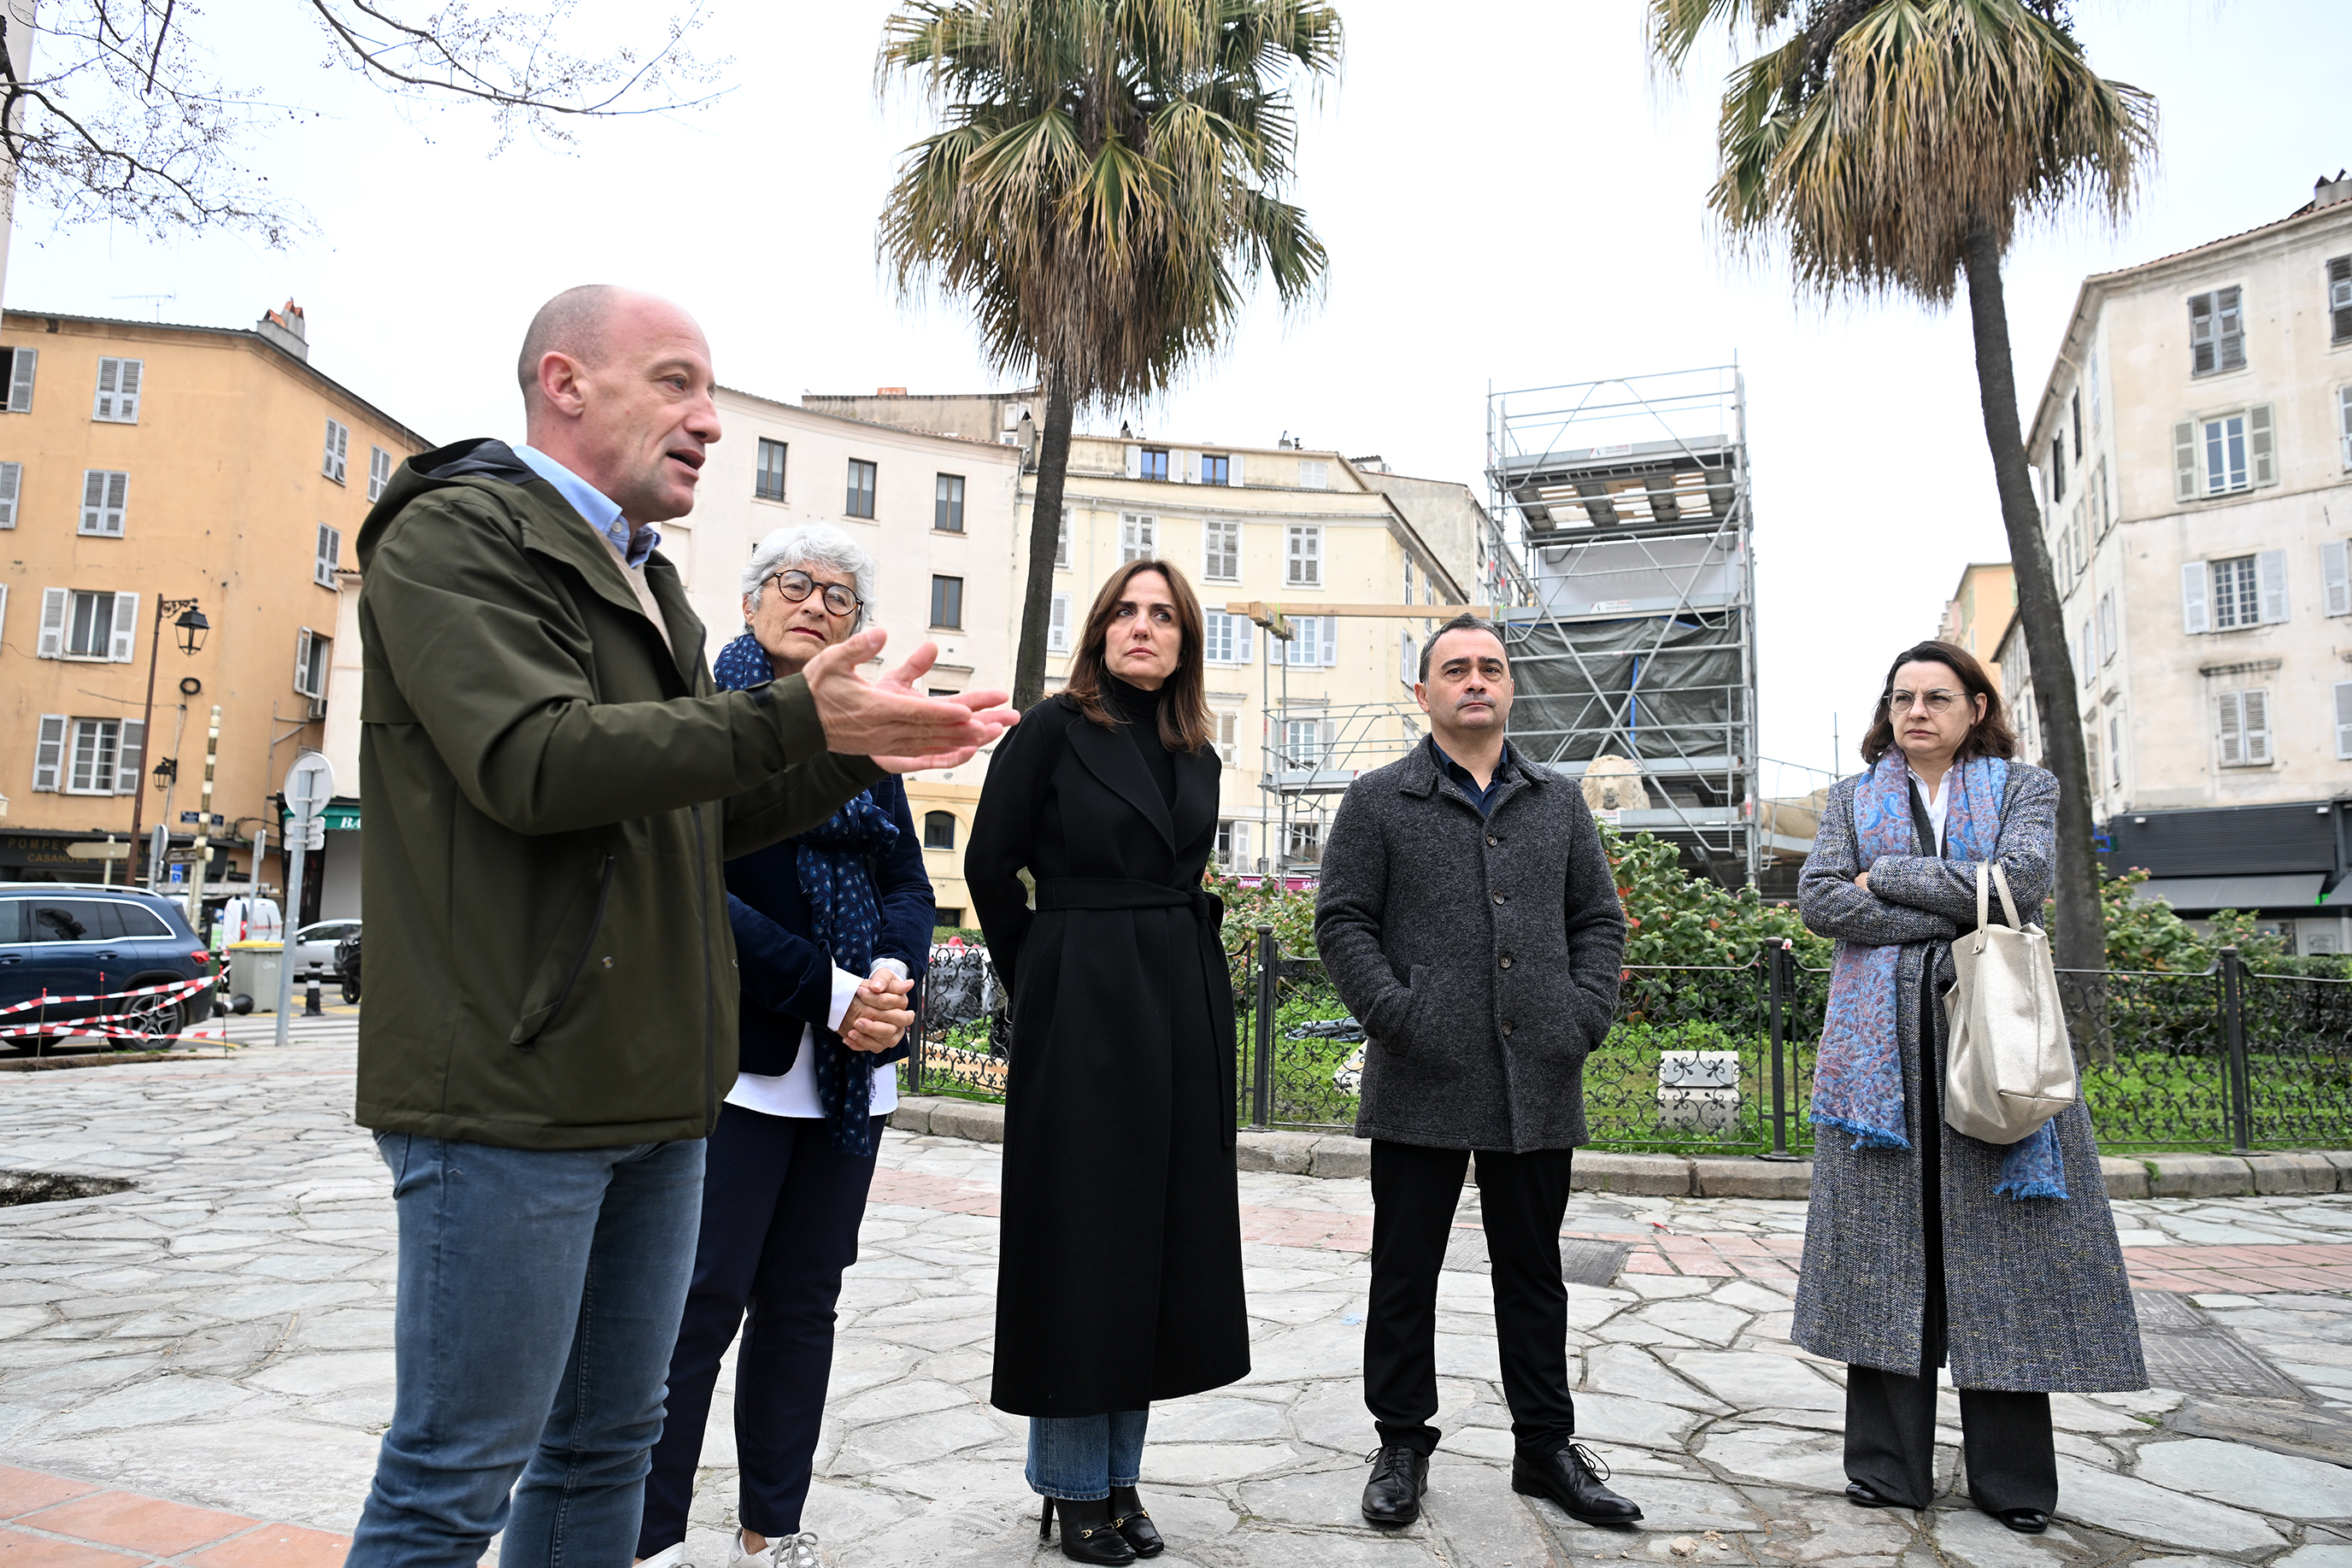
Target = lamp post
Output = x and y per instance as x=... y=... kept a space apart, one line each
x=193 y=627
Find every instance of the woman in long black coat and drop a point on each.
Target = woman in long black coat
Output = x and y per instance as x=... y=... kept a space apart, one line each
x=1121 y=1269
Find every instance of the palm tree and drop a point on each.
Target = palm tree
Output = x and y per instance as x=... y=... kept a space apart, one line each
x=1895 y=146
x=1107 y=178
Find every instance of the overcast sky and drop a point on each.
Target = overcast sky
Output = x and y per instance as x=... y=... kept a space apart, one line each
x=1508 y=197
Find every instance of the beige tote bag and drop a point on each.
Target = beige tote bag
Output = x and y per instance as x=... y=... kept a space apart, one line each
x=2011 y=1067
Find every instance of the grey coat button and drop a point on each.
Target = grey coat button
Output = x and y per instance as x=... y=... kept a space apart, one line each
x=1506 y=960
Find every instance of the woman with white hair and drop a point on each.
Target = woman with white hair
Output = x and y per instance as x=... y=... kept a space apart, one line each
x=831 y=929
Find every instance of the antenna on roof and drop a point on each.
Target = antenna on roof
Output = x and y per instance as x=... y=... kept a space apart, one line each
x=159 y=300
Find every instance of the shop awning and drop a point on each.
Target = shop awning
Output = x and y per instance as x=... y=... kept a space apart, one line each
x=2204 y=894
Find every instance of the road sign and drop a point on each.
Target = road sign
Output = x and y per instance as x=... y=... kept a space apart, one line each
x=309 y=785
x=109 y=851
x=179 y=873
x=187 y=857
x=196 y=819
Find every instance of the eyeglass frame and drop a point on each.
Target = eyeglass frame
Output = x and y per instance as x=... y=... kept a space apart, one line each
x=825 y=598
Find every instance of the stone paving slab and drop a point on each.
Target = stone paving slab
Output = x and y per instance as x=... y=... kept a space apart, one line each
x=215 y=1342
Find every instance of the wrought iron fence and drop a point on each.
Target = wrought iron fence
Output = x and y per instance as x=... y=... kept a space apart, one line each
x=1719 y=1060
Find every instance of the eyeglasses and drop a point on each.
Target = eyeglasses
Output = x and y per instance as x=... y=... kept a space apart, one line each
x=1934 y=701
x=796 y=586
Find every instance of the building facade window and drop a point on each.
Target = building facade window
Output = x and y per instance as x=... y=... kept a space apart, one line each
x=2344 y=720
x=861 y=488
x=2115 y=750
x=2107 y=628
x=105 y=501
x=1225 y=638
x=2243 y=727
x=330 y=556
x=2217 y=332
x=1215 y=469
x=76 y=624
x=118 y=391
x=1234 y=845
x=12 y=483
x=2077 y=404
x=2238 y=592
x=1138 y=538
x=768 y=474
x=339 y=450
x=2336 y=576
x=1220 y=550
x=1227 y=726
x=2343 y=422
x=1307 y=842
x=1314 y=474
x=1302 y=744
x=947 y=603
x=2223 y=454
x=2057 y=468
x=379 y=473
x=1152 y=464
x=1314 y=642
x=312 y=664
x=1061 y=544
x=947 y=504
x=104 y=757
x=16 y=369
x=1057 y=626
x=938 y=829
x=2340 y=300
x=1302 y=559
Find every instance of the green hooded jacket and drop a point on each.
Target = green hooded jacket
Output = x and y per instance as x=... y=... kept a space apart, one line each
x=551 y=795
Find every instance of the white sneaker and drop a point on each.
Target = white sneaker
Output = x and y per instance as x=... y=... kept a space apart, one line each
x=799 y=1551
x=669 y=1557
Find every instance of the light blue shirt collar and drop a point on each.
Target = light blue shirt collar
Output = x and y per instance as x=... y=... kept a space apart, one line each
x=603 y=514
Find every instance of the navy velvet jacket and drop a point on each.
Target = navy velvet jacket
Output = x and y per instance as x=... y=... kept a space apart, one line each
x=787 y=979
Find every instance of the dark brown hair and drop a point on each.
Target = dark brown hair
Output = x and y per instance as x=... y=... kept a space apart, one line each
x=1184 y=699
x=1989 y=736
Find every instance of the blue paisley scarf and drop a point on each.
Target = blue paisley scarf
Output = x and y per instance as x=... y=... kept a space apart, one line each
x=1858 y=1075
x=846 y=910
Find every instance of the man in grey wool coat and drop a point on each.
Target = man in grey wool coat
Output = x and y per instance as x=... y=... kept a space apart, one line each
x=1469 y=919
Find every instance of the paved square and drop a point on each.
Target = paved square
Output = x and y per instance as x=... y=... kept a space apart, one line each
x=197 y=1369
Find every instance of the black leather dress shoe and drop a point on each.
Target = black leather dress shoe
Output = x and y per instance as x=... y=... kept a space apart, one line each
x=1087 y=1533
x=1861 y=1496
x=1129 y=1518
x=1571 y=1478
x=1393 y=1497
x=2024 y=1520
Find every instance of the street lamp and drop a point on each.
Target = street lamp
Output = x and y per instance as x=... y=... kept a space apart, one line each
x=191 y=627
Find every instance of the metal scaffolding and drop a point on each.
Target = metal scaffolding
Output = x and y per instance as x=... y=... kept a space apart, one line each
x=1624 y=522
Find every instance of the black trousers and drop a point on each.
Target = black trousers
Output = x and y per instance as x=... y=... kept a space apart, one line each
x=780 y=1208
x=1522 y=1199
x=1890 y=1417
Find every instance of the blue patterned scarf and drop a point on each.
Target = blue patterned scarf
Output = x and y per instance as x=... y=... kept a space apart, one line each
x=845 y=909
x=1858 y=1074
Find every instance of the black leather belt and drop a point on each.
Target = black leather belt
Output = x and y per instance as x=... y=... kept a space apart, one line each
x=1121 y=892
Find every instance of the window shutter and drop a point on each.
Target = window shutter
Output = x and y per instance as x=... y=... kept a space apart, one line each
x=126 y=403
x=2342 y=719
x=2339 y=298
x=2258 y=725
x=2231 y=329
x=1244 y=630
x=1313 y=475
x=2233 y=736
x=1057 y=626
x=302 y=661
x=123 y=642
x=1331 y=640
x=49 y=750
x=12 y=478
x=1233 y=469
x=330 y=555
x=2091 y=756
x=130 y=756
x=54 y=601
x=1135 y=462
x=1192 y=461
x=2196 y=581
x=2336 y=576
x=2270 y=580
x=2090 y=649
x=20 y=380
x=2184 y=461
x=1061 y=544
x=2200 y=335
x=379 y=472
x=103 y=408
x=2106 y=628
x=1408 y=670
x=2259 y=444
x=2343 y=420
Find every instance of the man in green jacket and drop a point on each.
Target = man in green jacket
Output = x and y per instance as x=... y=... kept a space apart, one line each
x=553 y=782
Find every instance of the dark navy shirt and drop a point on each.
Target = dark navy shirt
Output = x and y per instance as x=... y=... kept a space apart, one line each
x=1482 y=798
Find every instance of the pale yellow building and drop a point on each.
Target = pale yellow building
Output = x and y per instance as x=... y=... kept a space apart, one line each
x=1976 y=616
x=142 y=462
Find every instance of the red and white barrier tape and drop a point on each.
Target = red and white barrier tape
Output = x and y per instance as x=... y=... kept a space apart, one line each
x=106 y=1025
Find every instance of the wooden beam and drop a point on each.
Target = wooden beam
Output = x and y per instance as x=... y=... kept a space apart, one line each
x=1261 y=611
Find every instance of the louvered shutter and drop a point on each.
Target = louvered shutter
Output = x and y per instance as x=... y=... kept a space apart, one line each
x=2106 y=628
x=1192 y=465
x=54 y=603
x=2184 y=461
x=2270 y=582
x=1408 y=671
x=1061 y=543
x=339 y=441
x=2258 y=725
x=330 y=555
x=1135 y=462
x=2200 y=335
x=128 y=758
x=1057 y=626
x=2259 y=444
x=103 y=408
x=12 y=478
x=123 y=645
x=2336 y=576
x=105 y=498
x=1244 y=629
x=126 y=401
x=2196 y=591
x=1233 y=469
x=2230 y=329
x=2232 y=730
x=2091 y=756
x=2115 y=750
x=20 y=380
x=49 y=750
x=2343 y=422
x=2344 y=719
x=2339 y=297
x=1330 y=639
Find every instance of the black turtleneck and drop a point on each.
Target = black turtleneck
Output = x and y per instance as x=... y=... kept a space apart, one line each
x=1140 y=711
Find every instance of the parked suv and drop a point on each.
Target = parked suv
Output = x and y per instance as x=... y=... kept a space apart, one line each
x=72 y=939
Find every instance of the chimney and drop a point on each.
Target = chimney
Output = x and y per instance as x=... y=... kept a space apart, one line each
x=889 y=392
x=2327 y=193
x=284 y=328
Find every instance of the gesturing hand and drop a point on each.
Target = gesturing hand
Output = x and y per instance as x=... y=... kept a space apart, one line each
x=890 y=719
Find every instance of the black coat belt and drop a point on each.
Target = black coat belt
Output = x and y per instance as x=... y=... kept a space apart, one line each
x=1124 y=893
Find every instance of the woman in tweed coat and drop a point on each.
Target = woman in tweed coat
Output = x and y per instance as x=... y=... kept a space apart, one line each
x=1924 y=1247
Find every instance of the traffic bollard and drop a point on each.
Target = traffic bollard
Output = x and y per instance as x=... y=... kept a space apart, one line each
x=310 y=1007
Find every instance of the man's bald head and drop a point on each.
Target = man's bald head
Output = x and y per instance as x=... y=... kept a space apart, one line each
x=572 y=324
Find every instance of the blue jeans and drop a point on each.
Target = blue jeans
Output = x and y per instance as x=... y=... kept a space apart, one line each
x=540 y=1293
x=1080 y=1458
